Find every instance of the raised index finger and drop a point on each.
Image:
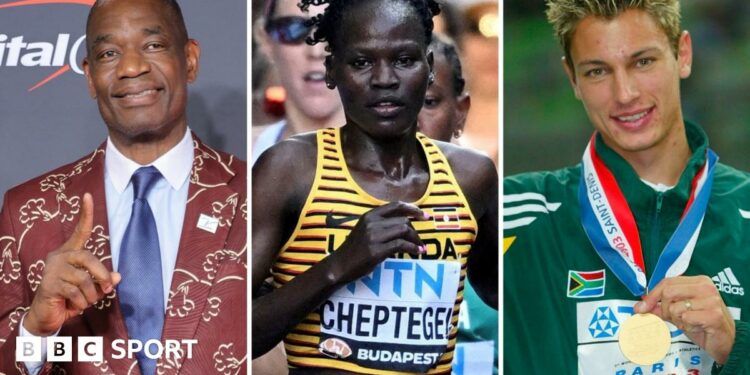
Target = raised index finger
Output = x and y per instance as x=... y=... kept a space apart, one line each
x=77 y=240
x=85 y=224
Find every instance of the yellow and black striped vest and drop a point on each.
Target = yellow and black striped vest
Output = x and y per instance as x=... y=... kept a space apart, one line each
x=335 y=197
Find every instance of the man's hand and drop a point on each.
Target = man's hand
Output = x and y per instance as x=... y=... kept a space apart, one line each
x=693 y=304
x=379 y=233
x=73 y=280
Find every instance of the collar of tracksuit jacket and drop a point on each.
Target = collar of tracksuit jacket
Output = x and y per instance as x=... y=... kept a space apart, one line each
x=657 y=214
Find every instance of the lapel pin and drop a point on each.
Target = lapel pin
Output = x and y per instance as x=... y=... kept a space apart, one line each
x=208 y=223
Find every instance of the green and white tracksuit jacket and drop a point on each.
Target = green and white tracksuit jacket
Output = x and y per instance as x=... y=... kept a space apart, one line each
x=563 y=305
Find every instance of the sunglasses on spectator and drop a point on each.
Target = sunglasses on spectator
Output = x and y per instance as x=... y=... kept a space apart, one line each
x=288 y=30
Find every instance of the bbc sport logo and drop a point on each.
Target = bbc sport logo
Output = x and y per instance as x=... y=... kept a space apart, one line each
x=91 y=349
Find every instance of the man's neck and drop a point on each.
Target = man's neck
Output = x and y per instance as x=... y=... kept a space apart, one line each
x=662 y=164
x=145 y=151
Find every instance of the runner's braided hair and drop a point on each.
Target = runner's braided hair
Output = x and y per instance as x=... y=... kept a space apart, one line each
x=327 y=24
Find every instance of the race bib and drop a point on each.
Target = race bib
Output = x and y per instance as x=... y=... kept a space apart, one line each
x=598 y=328
x=396 y=318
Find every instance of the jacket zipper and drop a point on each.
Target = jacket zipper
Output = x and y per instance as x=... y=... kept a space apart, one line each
x=655 y=230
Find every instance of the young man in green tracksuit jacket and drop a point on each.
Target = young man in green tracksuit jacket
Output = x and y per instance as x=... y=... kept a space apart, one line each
x=649 y=222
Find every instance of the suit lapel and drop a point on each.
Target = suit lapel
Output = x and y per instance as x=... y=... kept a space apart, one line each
x=104 y=318
x=210 y=211
x=209 y=214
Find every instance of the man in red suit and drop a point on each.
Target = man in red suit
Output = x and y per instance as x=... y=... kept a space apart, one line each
x=145 y=238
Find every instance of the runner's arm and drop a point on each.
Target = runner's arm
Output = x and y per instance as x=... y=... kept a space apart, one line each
x=477 y=177
x=273 y=207
x=277 y=203
x=483 y=259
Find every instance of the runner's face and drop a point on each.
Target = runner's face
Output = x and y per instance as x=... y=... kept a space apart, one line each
x=380 y=67
x=628 y=79
x=138 y=67
x=439 y=116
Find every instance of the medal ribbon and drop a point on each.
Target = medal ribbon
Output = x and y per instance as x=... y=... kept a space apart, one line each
x=610 y=225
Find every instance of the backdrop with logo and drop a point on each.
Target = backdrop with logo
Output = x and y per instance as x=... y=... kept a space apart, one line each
x=46 y=115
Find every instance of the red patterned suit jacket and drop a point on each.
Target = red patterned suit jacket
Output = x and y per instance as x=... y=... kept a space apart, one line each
x=207 y=298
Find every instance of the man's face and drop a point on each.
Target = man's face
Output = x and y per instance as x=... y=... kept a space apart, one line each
x=628 y=79
x=138 y=67
x=301 y=70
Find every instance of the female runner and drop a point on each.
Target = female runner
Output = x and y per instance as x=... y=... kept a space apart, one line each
x=369 y=230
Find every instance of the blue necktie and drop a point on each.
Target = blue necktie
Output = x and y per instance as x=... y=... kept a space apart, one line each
x=141 y=290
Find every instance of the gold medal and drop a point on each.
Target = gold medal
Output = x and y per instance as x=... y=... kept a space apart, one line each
x=644 y=339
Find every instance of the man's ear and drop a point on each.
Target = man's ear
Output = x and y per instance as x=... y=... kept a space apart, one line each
x=89 y=80
x=685 y=54
x=193 y=57
x=570 y=72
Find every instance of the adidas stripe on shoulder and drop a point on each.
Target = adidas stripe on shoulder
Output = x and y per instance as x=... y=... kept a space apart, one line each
x=520 y=210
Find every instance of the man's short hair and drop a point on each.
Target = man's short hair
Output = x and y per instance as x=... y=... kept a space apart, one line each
x=172 y=5
x=564 y=15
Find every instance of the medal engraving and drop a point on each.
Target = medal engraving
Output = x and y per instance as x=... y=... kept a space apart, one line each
x=644 y=339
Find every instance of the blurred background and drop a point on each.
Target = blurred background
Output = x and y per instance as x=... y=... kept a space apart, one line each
x=289 y=97
x=47 y=118
x=472 y=24
x=545 y=127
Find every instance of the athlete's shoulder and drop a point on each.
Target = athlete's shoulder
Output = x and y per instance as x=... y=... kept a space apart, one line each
x=468 y=164
x=532 y=201
x=292 y=153
x=554 y=182
x=285 y=172
x=50 y=183
x=729 y=180
x=452 y=150
x=221 y=164
x=475 y=172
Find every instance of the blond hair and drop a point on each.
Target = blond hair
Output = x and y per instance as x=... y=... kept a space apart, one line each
x=564 y=15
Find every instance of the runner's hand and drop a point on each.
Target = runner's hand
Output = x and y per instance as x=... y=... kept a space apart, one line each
x=379 y=233
x=73 y=280
x=693 y=304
